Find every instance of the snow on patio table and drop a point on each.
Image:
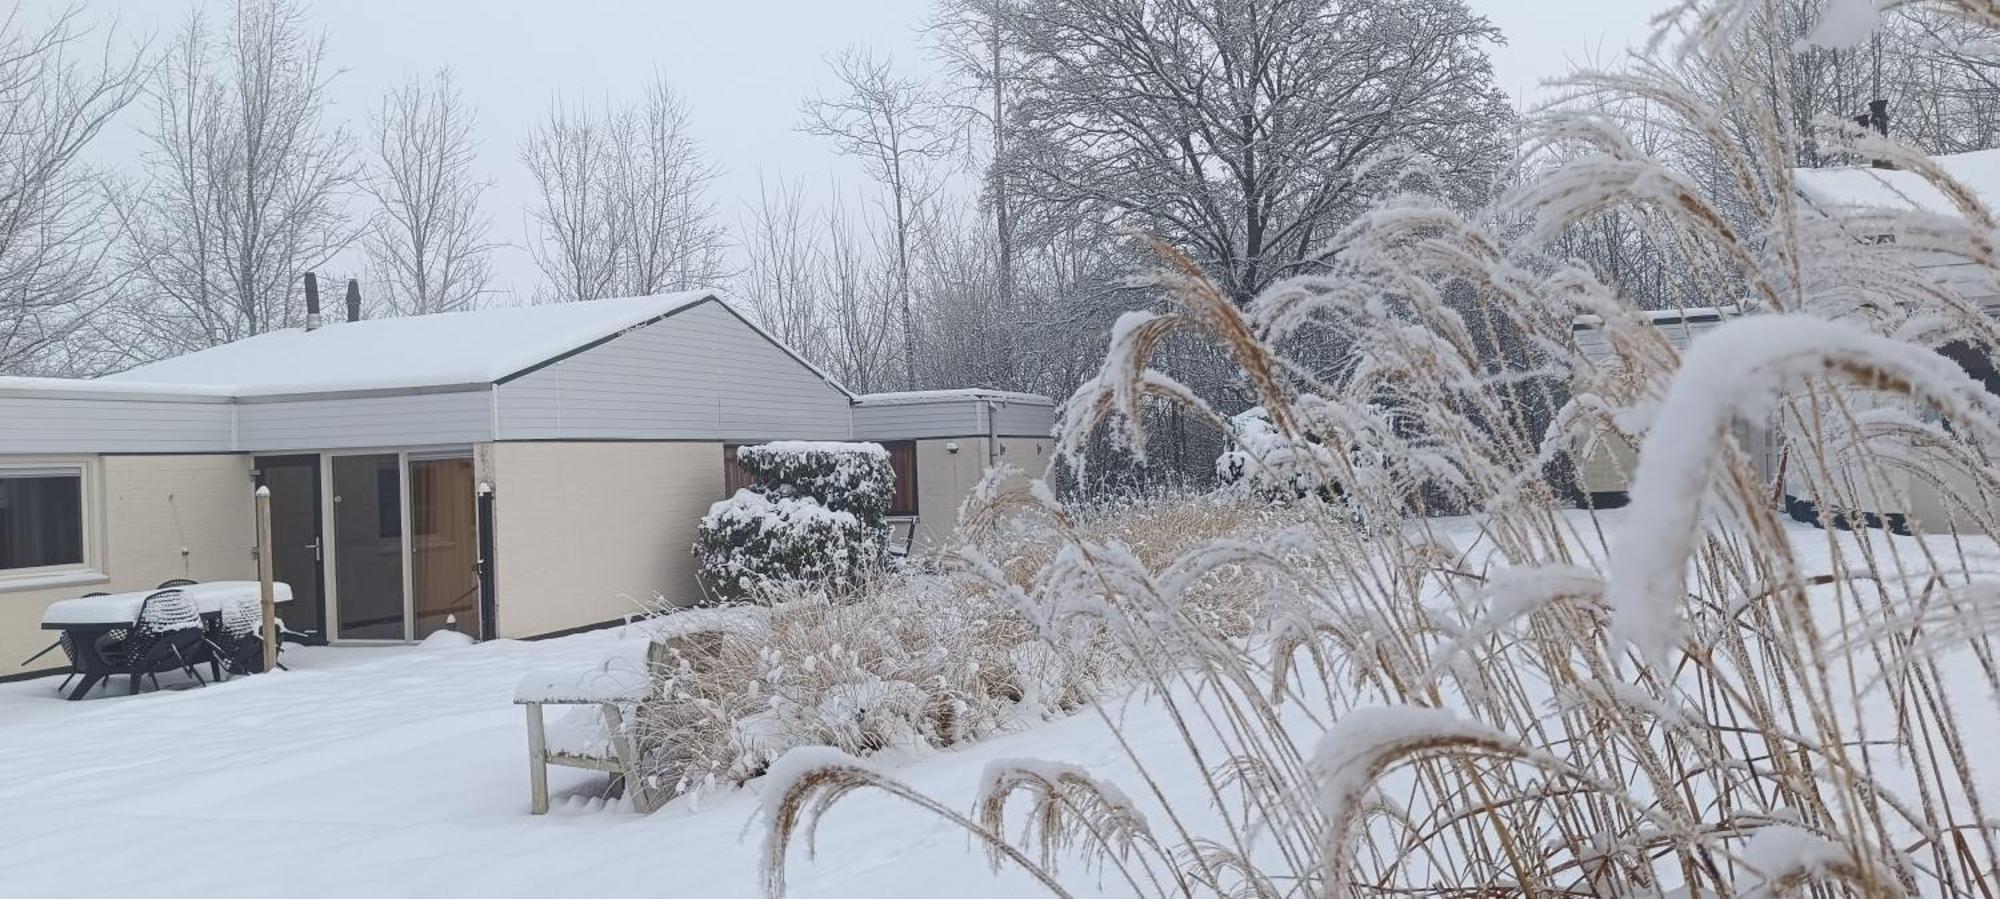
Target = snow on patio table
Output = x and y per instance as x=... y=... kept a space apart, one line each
x=121 y=608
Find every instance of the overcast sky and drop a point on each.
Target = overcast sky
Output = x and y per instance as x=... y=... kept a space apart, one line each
x=743 y=66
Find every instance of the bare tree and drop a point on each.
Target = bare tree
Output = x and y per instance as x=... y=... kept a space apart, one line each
x=247 y=185
x=659 y=180
x=1245 y=131
x=623 y=201
x=578 y=245
x=54 y=270
x=893 y=127
x=781 y=278
x=971 y=36
x=861 y=296
x=427 y=243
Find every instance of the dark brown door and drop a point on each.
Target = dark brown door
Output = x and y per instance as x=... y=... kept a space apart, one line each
x=295 y=537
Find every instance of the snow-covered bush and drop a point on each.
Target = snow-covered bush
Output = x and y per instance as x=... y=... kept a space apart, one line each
x=816 y=516
x=750 y=540
x=844 y=477
x=1262 y=461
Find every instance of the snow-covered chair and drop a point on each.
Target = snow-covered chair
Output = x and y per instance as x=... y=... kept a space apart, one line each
x=168 y=636
x=593 y=733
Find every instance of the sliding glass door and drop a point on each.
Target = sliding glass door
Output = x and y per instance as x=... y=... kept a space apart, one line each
x=405 y=545
x=368 y=546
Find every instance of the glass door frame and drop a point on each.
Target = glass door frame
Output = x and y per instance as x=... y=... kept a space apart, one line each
x=330 y=559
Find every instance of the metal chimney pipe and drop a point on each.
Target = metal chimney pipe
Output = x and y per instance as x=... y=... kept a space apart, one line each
x=353 y=300
x=312 y=302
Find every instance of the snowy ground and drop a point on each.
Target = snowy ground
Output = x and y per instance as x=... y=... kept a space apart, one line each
x=402 y=772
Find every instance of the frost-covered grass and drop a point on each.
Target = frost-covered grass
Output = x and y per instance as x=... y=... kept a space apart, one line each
x=924 y=659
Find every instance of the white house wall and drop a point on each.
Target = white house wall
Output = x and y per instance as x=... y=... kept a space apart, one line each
x=701 y=374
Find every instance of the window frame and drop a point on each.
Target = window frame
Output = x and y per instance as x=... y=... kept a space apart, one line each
x=90 y=568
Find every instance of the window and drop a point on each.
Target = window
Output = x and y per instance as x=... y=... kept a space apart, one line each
x=41 y=518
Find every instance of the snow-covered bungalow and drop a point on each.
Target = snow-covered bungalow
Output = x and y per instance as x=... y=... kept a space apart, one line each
x=1607 y=464
x=577 y=443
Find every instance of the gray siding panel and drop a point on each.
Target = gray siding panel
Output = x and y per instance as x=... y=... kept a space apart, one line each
x=949 y=418
x=906 y=421
x=1024 y=419
x=90 y=425
x=701 y=374
x=421 y=419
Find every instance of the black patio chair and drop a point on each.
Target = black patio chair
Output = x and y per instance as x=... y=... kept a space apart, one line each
x=68 y=649
x=171 y=583
x=236 y=639
x=167 y=637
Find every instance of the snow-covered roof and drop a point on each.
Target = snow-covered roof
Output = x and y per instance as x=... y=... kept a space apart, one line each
x=102 y=389
x=1850 y=186
x=445 y=349
x=1689 y=314
x=917 y=397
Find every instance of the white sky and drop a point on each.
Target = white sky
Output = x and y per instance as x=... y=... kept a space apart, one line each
x=743 y=66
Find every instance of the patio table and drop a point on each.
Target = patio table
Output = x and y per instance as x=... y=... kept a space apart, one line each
x=86 y=618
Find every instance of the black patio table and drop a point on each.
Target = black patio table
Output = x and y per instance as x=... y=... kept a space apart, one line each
x=85 y=619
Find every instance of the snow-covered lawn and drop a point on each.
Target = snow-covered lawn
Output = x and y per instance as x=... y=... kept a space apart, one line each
x=403 y=772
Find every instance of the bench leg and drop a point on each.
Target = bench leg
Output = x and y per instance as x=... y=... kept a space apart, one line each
x=643 y=799
x=538 y=762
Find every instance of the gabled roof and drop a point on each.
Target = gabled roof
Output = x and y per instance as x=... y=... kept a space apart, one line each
x=442 y=350
x=1851 y=186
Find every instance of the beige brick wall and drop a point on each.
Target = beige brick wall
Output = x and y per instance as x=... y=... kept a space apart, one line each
x=585 y=532
x=153 y=518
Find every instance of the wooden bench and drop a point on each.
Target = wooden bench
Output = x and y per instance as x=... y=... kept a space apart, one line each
x=596 y=738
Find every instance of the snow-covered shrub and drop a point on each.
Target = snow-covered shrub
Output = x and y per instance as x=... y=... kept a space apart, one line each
x=750 y=540
x=844 y=477
x=816 y=516
x=1262 y=461
x=1329 y=448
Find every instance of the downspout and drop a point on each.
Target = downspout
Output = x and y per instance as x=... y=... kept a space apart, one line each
x=488 y=627
x=992 y=435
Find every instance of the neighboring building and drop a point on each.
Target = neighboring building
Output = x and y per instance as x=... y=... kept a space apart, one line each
x=1606 y=461
x=580 y=442
x=1606 y=465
